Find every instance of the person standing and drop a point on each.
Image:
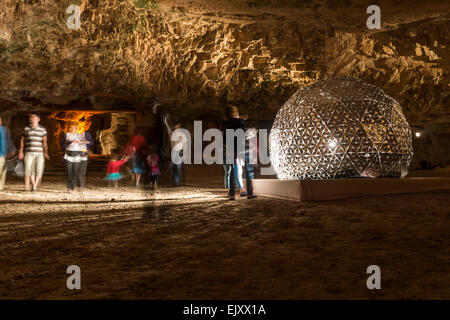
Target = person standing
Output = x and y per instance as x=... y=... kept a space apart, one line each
x=136 y=148
x=7 y=150
x=83 y=146
x=34 y=151
x=72 y=156
x=76 y=155
x=234 y=122
x=153 y=165
x=178 y=147
x=3 y=154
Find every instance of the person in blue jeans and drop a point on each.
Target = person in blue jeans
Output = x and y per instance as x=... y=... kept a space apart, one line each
x=238 y=170
x=226 y=176
x=249 y=176
x=177 y=146
x=175 y=169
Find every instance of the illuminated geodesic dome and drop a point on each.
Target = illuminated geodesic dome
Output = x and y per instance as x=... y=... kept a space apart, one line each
x=340 y=128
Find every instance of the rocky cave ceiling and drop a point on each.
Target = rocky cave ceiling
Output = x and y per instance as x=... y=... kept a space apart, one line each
x=197 y=55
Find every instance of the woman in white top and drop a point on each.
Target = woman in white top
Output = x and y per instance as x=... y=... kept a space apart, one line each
x=76 y=147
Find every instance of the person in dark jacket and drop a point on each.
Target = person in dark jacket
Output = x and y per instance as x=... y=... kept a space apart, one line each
x=234 y=122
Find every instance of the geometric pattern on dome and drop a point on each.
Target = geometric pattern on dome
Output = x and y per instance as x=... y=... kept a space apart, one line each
x=339 y=128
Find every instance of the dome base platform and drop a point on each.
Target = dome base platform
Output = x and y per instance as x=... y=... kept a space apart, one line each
x=317 y=190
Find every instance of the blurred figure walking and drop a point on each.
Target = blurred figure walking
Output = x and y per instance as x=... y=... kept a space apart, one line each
x=76 y=154
x=136 y=149
x=176 y=165
x=7 y=149
x=113 y=174
x=153 y=165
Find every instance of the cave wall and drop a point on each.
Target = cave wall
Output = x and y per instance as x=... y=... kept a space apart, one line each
x=119 y=129
x=195 y=56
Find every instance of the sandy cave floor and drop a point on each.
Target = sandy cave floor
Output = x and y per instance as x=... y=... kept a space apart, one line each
x=190 y=243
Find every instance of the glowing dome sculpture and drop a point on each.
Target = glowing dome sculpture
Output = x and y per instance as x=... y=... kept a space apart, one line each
x=339 y=128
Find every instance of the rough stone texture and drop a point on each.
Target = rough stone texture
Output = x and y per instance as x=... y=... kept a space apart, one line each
x=116 y=136
x=197 y=55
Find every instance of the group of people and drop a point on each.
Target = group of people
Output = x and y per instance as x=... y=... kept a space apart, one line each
x=144 y=159
x=77 y=148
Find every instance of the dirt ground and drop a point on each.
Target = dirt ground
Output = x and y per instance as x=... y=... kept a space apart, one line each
x=191 y=243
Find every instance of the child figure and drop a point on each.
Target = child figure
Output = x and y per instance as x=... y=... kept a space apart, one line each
x=113 y=175
x=153 y=165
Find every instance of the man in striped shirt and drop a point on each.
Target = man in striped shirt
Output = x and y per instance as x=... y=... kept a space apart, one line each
x=34 y=151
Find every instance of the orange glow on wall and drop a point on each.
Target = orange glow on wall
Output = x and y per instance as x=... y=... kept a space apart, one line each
x=81 y=118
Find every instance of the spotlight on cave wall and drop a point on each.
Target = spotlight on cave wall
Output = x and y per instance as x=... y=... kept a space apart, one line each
x=339 y=128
